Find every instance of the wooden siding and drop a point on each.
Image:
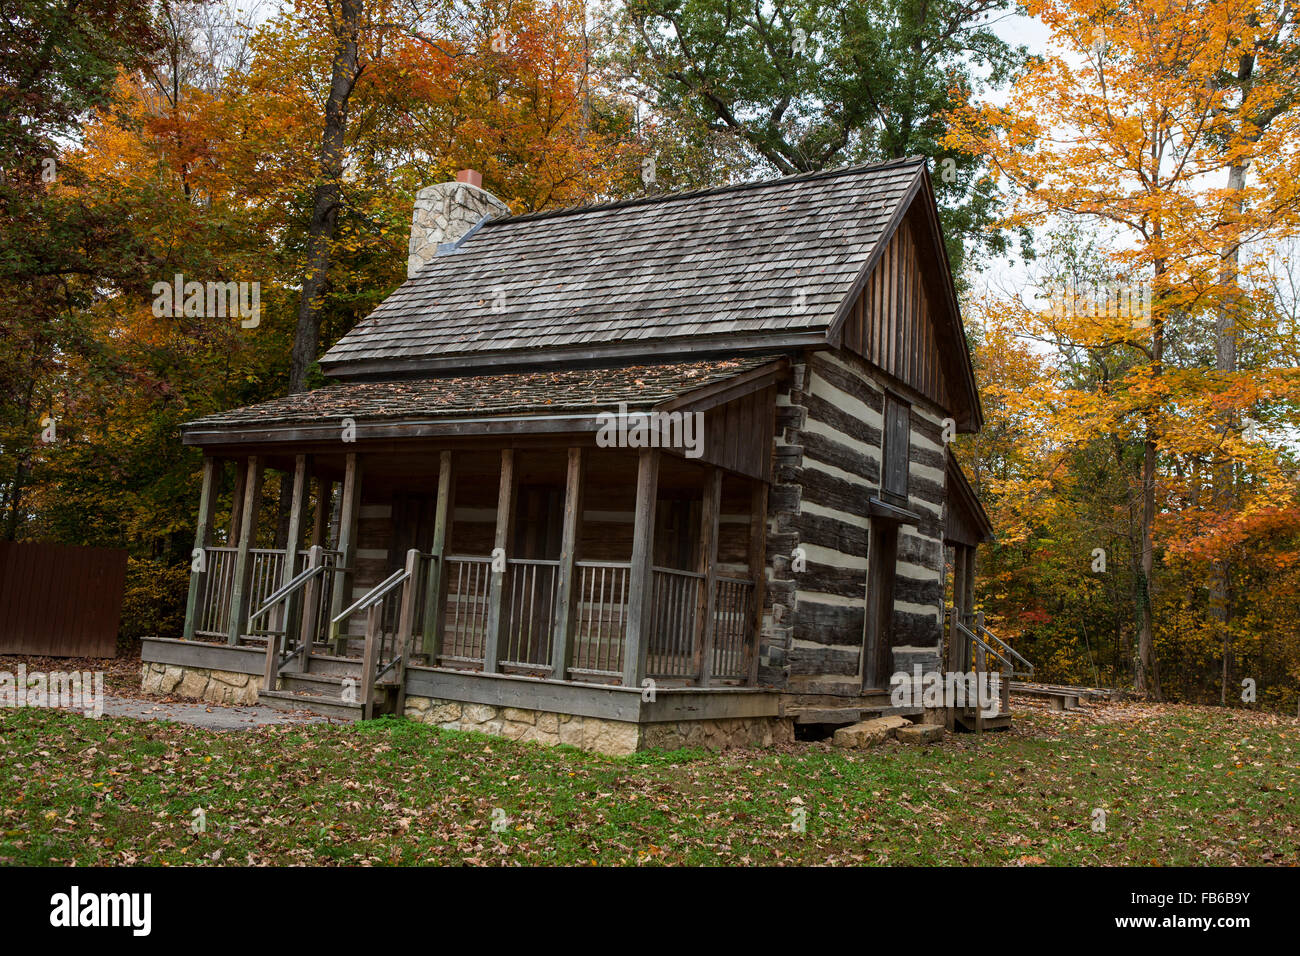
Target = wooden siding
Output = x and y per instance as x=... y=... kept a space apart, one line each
x=60 y=601
x=737 y=433
x=893 y=323
x=966 y=522
x=828 y=467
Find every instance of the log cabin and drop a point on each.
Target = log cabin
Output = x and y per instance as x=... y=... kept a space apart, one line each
x=661 y=472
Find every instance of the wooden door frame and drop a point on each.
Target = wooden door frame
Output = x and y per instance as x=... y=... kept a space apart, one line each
x=877 y=630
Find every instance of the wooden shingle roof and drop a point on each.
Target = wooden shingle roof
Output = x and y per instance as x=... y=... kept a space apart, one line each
x=719 y=271
x=534 y=393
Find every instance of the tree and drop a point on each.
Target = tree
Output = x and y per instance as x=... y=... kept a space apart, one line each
x=812 y=84
x=1127 y=127
x=57 y=60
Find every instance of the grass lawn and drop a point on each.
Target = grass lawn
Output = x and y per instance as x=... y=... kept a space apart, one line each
x=1180 y=785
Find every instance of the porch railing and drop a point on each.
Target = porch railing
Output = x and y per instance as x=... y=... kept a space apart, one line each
x=675 y=599
x=459 y=611
x=265 y=576
x=218 y=586
x=465 y=619
x=980 y=649
x=300 y=604
x=600 y=619
x=733 y=616
x=530 y=619
x=393 y=609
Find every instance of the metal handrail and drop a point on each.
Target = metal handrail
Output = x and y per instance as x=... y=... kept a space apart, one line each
x=298 y=580
x=988 y=649
x=373 y=596
x=1009 y=649
x=979 y=626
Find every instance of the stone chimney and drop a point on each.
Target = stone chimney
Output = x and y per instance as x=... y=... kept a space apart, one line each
x=445 y=213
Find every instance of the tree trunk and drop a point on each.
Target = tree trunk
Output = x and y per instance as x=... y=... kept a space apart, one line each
x=327 y=195
x=1224 y=492
x=1148 y=675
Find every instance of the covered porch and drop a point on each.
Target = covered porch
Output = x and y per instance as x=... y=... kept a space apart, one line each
x=523 y=549
x=591 y=564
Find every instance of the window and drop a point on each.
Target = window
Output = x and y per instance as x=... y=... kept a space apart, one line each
x=897 y=441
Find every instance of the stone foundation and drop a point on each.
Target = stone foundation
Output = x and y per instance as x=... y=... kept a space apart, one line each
x=615 y=737
x=217 y=687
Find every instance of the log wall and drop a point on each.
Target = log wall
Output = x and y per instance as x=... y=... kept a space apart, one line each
x=828 y=455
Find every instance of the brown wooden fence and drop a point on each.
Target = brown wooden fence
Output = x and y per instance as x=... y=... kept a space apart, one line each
x=60 y=601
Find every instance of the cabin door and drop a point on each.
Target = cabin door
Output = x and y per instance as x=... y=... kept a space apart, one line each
x=878 y=636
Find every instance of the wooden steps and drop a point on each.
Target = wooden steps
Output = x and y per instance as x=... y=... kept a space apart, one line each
x=321 y=689
x=326 y=685
x=330 y=664
x=326 y=706
x=1059 y=697
x=966 y=719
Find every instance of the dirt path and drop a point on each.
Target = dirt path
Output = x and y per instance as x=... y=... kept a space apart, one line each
x=198 y=714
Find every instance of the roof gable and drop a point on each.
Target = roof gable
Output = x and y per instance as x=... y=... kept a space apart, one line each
x=903 y=315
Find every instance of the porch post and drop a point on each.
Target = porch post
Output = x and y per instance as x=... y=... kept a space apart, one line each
x=321 y=519
x=405 y=637
x=202 y=541
x=706 y=599
x=370 y=658
x=500 y=545
x=349 y=509
x=237 y=502
x=433 y=600
x=293 y=541
x=970 y=578
x=565 y=590
x=954 y=659
x=758 y=571
x=960 y=575
x=239 y=602
x=636 y=641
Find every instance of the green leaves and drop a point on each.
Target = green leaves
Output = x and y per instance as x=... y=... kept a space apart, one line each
x=819 y=83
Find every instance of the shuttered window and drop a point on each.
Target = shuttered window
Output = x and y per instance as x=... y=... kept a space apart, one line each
x=898 y=446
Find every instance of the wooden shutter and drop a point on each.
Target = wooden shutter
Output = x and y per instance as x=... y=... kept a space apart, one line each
x=897 y=451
